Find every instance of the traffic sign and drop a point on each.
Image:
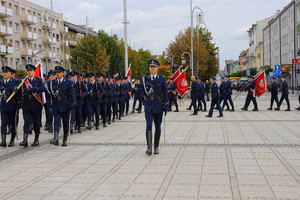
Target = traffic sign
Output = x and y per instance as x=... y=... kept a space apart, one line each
x=276 y=73
x=295 y=61
x=248 y=72
x=277 y=68
x=271 y=74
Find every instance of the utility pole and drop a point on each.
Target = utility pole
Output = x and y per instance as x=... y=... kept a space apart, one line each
x=125 y=36
x=192 y=33
x=51 y=32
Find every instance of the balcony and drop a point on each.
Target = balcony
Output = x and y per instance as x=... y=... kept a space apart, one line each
x=54 y=40
x=5 y=12
x=26 y=52
x=10 y=50
x=27 y=36
x=9 y=31
x=72 y=43
x=2 y=49
x=45 y=25
x=3 y=31
x=34 y=36
x=27 y=19
x=34 y=19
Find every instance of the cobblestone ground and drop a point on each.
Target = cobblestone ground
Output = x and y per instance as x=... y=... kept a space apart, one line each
x=245 y=155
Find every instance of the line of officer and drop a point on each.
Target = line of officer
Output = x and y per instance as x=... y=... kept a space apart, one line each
x=64 y=100
x=138 y=95
x=32 y=106
x=8 y=110
x=201 y=97
x=274 y=93
x=284 y=95
x=228 y=93
x=214 y=98
x=172 y=95
x=251 y=96
x=156 y=102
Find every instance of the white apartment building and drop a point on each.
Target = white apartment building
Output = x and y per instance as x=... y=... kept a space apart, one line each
x=25 y=30
x=255 y=39
x=279 y=38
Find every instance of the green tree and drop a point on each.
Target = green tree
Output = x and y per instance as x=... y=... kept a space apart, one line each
x=89 y=55
x=205 y=60
x=113 y=49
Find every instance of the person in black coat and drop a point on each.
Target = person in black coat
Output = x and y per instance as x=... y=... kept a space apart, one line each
x=284 y=95
x=274 y=93
x=214 y=98
x=194 y=94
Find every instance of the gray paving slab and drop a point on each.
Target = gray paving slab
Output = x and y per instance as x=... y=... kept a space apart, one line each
x=244 y=155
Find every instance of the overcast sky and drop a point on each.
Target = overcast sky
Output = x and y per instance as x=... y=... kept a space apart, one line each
x=155 y=23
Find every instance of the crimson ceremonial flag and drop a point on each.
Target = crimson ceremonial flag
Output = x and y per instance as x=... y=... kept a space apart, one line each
x=174 y=76
x=128 y=74
x=38 y=72
x=181 y=84
x=261 y=84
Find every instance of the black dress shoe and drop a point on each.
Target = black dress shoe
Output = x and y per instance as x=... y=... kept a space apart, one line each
x=298 y=108
x=188 y=109
x=288 y=109
x=176 y=110
x=204 y=110
x=232 y=110
x=220 y=116
x=35 y=143
x=208 y=116
x=255 y=109
x=64 y=144
x=245 y=109
x=227 y=109
x=113 y=120
x=194 y=114
x=269 y=109
x=11 y=143
x=277 y=109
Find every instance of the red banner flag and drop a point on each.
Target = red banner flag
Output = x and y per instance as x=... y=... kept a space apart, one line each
x=174 y=76
x=38 y=72
x=181 y=84
x=261 y=84
x=128 y=72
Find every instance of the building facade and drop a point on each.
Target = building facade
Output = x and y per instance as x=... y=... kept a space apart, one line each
x=279 y=38
x=255 y=34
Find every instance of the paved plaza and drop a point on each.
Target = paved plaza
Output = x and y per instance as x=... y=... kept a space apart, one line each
x=244 y=155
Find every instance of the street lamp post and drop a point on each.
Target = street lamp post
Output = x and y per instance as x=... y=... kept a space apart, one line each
x=192 y=30
x=183 y=60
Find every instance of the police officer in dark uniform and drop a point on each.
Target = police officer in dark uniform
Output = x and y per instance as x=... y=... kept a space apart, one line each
x=64 y=100
x=274 y=93
x=105 y=102
x=114 y=99
x=138 y=95
x=80 y=93
x=222 y=94
x=84 y=106
x=121 y=95
x=156 y=102
x=172 y=95
x=194 y=94
x=124 y=86
x=284 y=94
x=201 y=98
x=228 y=93
x=49 y=101
x=8 y=109
x=95 y=93
x=247 y=98
x=128 y=92
x=32 y=105
x=251 y=95
x=214 y=98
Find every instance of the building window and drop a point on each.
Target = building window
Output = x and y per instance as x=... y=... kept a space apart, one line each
x=39 y=32
x=16 y=10
x=17 y=27
x=17 y=44
x=11 y=62
x=23 y=45
x=40 y=47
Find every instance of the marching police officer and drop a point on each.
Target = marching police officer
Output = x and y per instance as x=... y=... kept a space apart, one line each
x=32 y=104
x=84 y=106
x=128 y=92
x=8 y=109
x=228 y=93
x=95 y=93
x=247 y=98
x=222 y=94
x=121 y=95
x=105 y=102
x=138 y=95
x=172 y=95
x=284 y=94
x=80 y=93
x=194 y=94
x=49 y=101
x=64 y=100
x=201 y=98
x=214 y=98
x=274 y=93
x=251 y=95
x=156 y=102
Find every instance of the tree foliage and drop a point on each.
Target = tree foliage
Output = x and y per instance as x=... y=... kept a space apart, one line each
x=205 y=61
x=89 y=55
